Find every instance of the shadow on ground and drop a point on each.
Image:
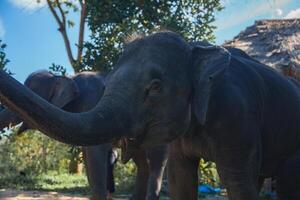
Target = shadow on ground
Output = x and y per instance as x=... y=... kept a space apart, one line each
x=9 y=194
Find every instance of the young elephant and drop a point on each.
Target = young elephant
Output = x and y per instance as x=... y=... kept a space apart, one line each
x=80 y=93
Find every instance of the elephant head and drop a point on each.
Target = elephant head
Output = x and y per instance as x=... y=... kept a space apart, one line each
x=158 y=84
x=58 y=90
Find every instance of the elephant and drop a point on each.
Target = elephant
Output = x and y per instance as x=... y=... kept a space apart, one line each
x=80 y=93
x=203 y=100
x=71 y=94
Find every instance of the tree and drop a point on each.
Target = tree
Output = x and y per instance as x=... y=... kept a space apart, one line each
x=3 y=63
x=3 y=59
x=60 y=10
x=110 y=21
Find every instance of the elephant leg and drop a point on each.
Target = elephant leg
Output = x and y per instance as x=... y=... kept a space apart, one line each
x=240 y=183
x=239 y=174
x=95 y=158
x=111 y=160
x=238 y=160
x=182 y=175
x=288 y=179
x=142 y=176
x=157 y=157
x=260 y=183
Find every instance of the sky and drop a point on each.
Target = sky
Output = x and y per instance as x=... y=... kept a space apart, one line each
x=33 y=42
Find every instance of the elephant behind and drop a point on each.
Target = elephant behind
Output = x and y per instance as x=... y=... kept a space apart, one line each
x=81 y=93
x=68 y=93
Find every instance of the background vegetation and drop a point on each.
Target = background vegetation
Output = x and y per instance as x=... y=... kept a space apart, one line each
x=34 y=161
x=3 y=59
x=110 y=21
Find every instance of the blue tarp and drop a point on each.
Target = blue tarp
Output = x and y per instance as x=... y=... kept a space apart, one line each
x=207 y=189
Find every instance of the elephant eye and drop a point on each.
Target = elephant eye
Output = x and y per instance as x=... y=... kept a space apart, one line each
x=154 y=87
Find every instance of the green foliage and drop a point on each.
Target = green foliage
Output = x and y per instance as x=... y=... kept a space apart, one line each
x=34 y=161
x=125 y=176
x=32 y=153
x=58 y=69
x=76 y=154
x=110 y=21
x=66 y=6
x=208 y=173
x=3 y=59
x=55 y=181
x=50 y=181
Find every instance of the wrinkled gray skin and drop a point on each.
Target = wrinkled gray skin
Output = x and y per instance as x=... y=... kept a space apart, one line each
x=207 y=101
x=81 y=93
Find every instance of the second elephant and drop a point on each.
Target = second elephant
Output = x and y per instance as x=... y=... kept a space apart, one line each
x=80 y=93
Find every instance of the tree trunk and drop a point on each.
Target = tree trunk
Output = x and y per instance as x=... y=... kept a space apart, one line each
x=75 y=167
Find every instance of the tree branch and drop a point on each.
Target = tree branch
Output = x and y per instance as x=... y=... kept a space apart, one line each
x=61 y=12
x=81 y=2
x=62 y=30
x=81 y=31
x=54 y=13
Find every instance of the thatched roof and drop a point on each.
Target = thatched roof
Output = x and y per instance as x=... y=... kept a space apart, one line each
x=273 y=42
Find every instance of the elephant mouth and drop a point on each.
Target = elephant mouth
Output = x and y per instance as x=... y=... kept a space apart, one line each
x=139 y=140
x=154 y=133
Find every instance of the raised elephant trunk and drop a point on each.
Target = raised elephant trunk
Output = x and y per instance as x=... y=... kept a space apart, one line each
x=102 y=124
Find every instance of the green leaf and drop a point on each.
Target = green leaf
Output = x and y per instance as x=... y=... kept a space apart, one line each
x=110 y=21
x=70 y=23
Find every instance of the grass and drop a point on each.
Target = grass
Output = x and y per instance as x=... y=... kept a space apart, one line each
x=52 y=181
x=60 y=182
x=66 y=183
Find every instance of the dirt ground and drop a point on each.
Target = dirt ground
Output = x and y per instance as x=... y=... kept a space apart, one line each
x=7 y=194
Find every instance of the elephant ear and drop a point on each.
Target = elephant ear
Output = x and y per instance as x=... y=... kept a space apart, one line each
x=63 y=91
x=209 y=62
